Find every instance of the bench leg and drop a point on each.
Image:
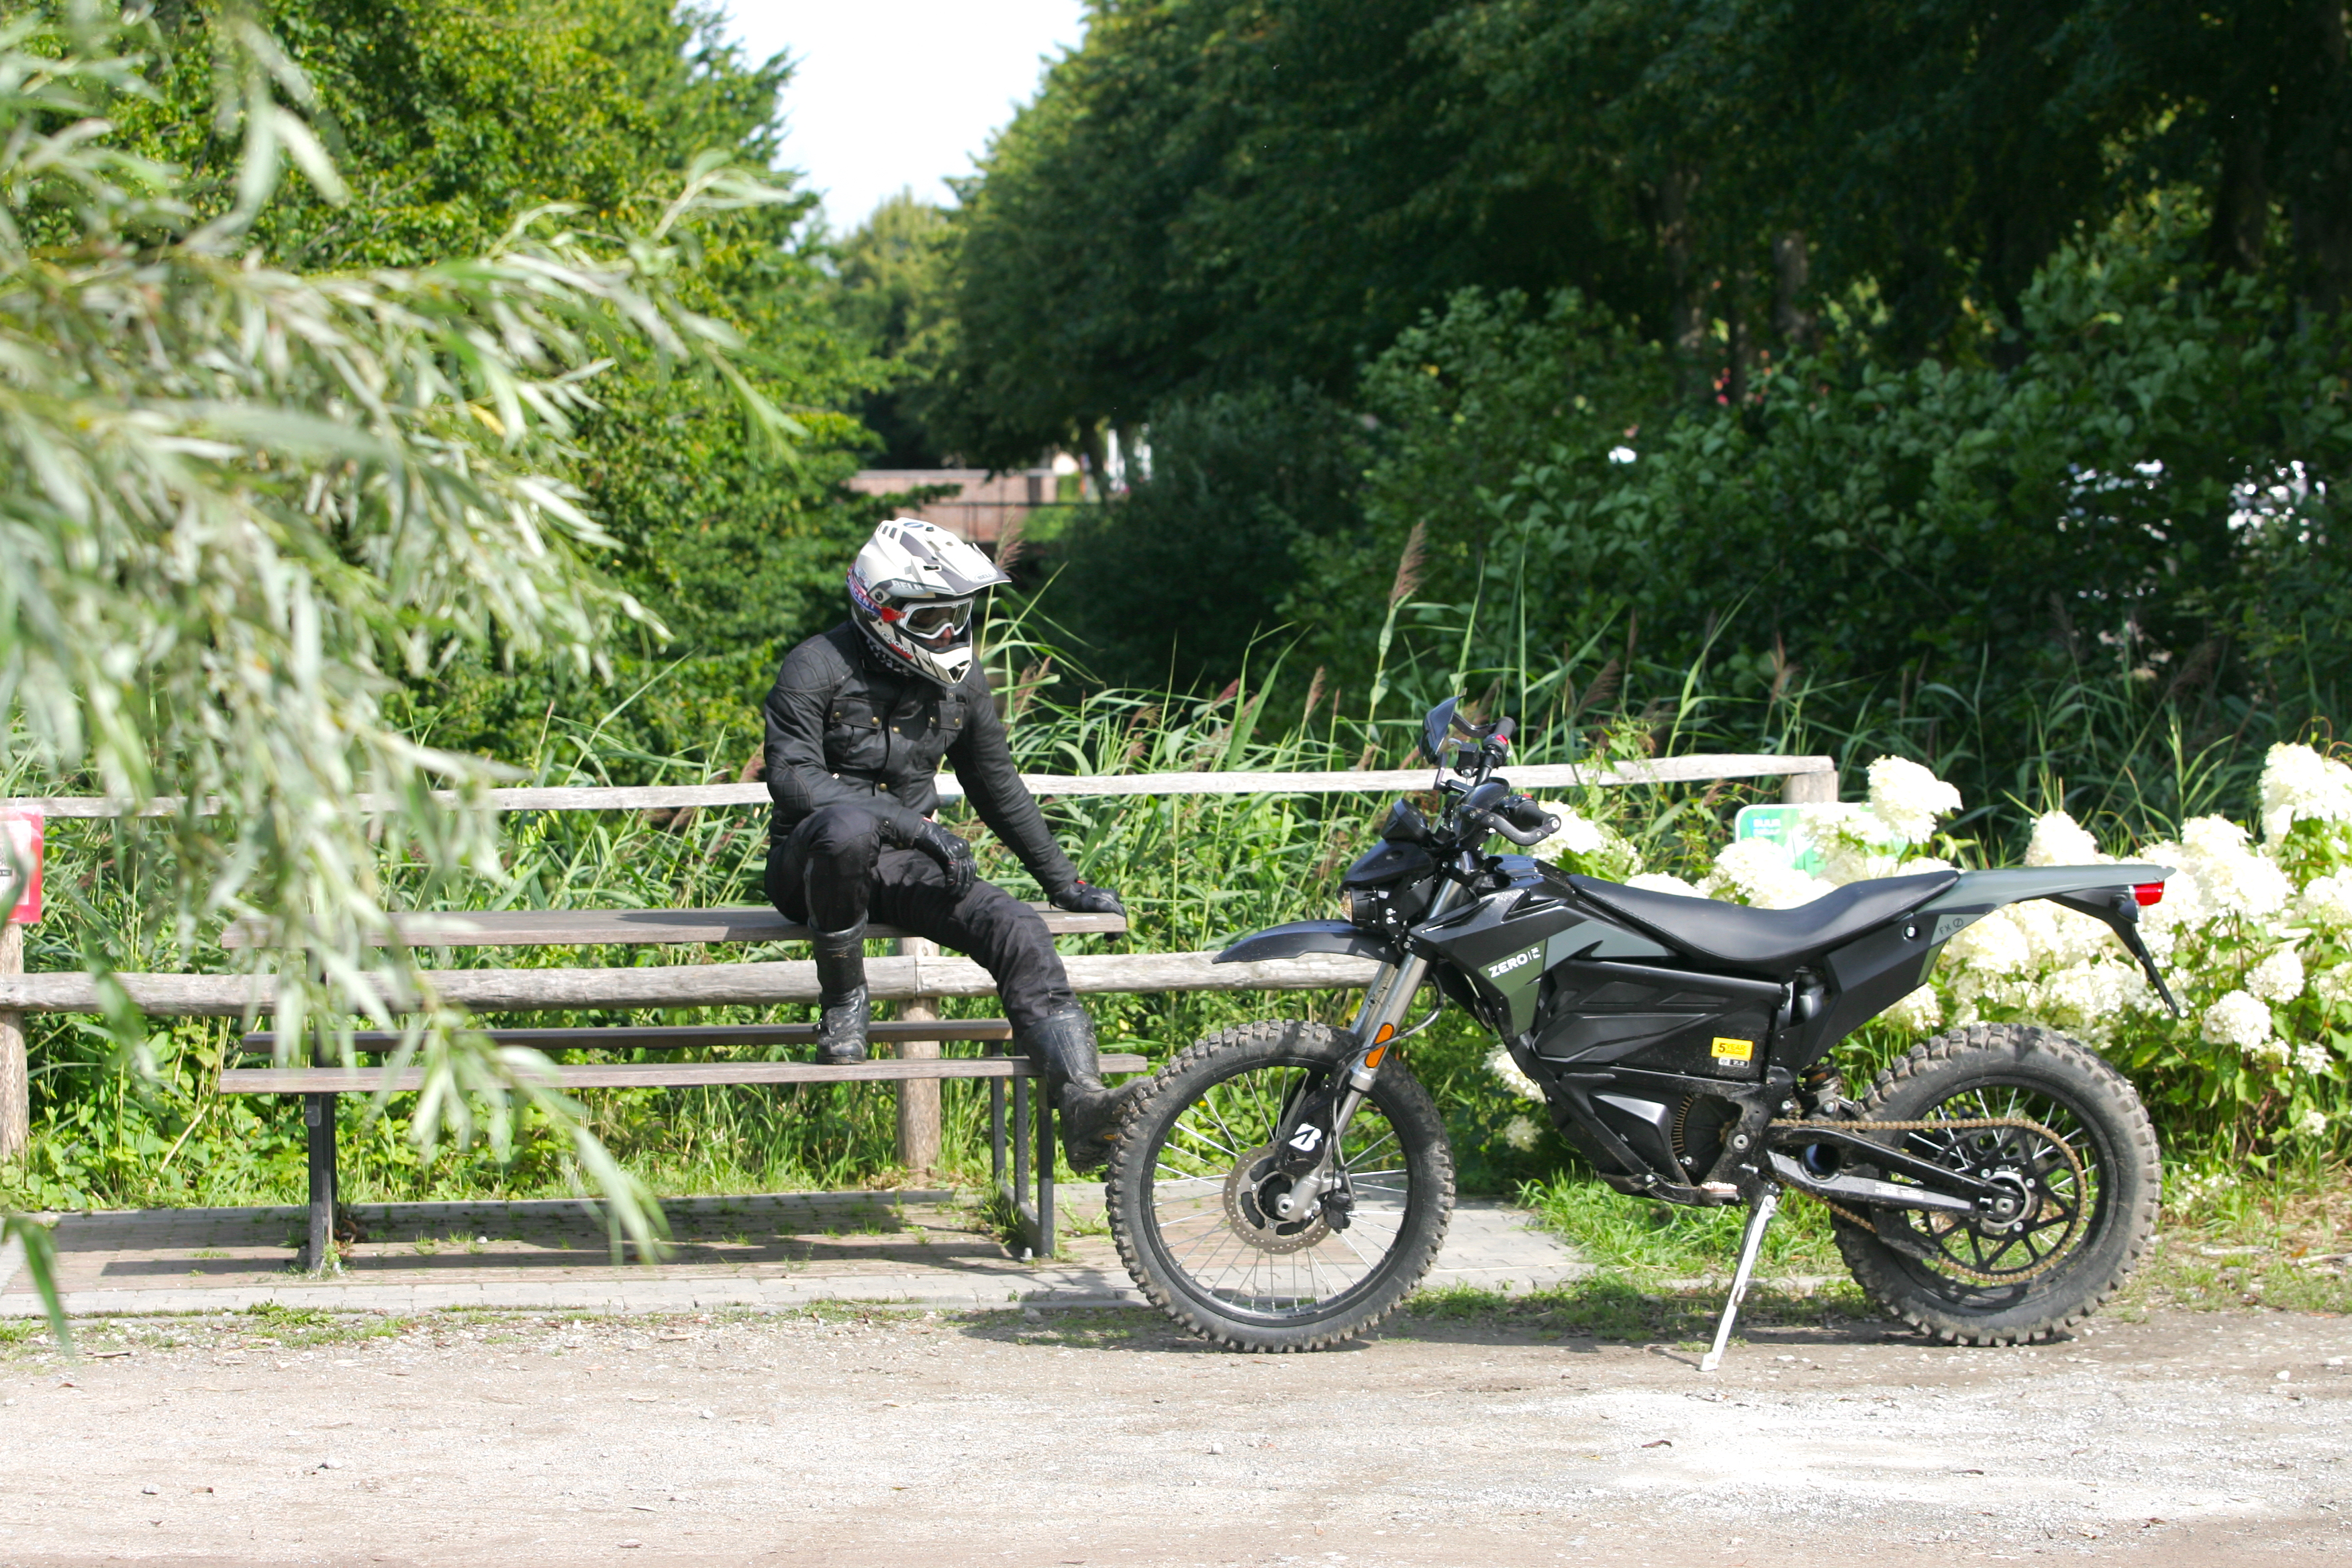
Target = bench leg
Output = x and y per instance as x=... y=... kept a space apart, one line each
x=996 y=1131
x=1044 y=1173
x=1019 y=1195
x=319 y=1124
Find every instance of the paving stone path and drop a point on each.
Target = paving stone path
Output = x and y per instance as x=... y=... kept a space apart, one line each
x=927 y=1248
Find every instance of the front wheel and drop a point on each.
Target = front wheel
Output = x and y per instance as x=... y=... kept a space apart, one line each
x=1195 y=1172
x=2068 y=1133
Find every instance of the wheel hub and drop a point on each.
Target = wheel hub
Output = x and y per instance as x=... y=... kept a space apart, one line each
x=2005 y=1213
x=1254 y=1190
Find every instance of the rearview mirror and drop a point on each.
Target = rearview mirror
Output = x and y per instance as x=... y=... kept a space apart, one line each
x=1435 y=729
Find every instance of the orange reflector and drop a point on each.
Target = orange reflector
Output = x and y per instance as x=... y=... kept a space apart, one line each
x=1387 y=1032
x=1373 y=1061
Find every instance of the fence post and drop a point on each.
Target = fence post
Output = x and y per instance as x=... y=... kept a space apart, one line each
x=1805 y=789
x=919 y=1099
x=15 y=1082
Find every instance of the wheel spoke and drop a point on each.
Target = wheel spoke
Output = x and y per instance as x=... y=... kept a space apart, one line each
x=2051 y=1165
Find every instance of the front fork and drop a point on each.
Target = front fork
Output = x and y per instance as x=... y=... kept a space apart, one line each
x=1378 y=1020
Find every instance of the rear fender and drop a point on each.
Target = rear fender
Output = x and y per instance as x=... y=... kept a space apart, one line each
x=1303 y=937
x=2103 y=892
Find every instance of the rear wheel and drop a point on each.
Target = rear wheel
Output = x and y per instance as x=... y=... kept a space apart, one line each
x=2086 y=1170
x=1194 y=1177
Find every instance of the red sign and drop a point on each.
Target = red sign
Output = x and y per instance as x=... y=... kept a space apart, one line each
x=20 y=866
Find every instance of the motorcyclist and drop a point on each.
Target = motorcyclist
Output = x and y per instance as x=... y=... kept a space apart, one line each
x=856 y=724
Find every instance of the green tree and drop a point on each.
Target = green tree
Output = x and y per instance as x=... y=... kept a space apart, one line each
x=1217 y=192
x=453 y=119
x=891 y=275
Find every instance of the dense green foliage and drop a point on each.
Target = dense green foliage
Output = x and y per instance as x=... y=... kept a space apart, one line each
x=1953 y=358
x=1217 y=190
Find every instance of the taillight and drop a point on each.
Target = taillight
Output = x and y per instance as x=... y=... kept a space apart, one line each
x=2149 y=893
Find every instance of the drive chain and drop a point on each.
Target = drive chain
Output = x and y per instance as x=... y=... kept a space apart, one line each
x=1974 y=1276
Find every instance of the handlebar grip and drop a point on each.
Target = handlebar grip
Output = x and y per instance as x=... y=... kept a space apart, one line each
x=1525 y=837
x=1522 y=811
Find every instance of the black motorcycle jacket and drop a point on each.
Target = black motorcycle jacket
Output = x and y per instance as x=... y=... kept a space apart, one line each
x=843 y=730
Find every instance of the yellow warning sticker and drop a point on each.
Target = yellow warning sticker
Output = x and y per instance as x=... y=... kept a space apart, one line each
x=1734 y=1050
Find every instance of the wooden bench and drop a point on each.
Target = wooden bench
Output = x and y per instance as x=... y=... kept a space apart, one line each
x=918 y=1038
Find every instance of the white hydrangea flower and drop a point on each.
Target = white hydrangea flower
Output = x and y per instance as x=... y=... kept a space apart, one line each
x=1759 y=871
x=2312 y=1123
x=1919 y=1012
x=2057 y=937
x=1663 y=883
x=2299 y=784
x=1577 y=835
x=1908 y=798
x=2232 y=879
x=1848 y=841
x=2313 y=1058
x=1501 y=1065
x=2278 y=978
x=1847 y=858
x=2335 y=985
x=2328 y=900
x=1996 y=944
x=2086 y=998
x=1521 y=1133
x=2059 y=840
x=2239 y=1019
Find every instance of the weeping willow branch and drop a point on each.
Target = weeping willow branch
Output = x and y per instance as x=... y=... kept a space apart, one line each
x=237 y=502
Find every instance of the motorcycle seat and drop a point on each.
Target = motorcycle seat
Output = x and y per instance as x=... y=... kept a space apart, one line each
x=1774 y=942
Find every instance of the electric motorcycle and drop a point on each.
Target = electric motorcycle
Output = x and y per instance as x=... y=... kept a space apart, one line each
x=1283 y=1185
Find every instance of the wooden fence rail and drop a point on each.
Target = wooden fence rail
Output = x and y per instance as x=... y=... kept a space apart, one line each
x=1807 y=778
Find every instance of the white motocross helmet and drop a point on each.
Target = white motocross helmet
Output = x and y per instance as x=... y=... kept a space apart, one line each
x=911 y=591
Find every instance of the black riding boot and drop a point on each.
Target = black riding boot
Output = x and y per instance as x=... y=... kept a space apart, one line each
x=1064 y=1045
x=843 y=1008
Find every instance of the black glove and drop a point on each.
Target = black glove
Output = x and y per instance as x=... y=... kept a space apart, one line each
x=1086 y=899
x=953 y=855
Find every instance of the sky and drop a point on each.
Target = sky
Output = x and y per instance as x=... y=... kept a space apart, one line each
x=893 y=94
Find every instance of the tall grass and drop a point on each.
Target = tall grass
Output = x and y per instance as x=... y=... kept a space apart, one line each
x=125 y=1113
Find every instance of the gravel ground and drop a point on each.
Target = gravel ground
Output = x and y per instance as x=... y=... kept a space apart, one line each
x=1101 y=1437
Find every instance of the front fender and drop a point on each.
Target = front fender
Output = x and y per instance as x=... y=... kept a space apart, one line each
x=1302 y=937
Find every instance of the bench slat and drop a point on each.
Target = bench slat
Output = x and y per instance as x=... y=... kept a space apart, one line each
x=654 y=1037
x=747 y=984
x=659 y=1074
x=584 y=928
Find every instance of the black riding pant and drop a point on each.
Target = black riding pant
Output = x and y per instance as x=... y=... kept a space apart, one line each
x=833 y=871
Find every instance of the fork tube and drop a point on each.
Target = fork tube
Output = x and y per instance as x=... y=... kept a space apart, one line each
x=1389 y=996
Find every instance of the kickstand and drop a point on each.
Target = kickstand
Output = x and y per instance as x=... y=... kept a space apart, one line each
x=1758 y=1219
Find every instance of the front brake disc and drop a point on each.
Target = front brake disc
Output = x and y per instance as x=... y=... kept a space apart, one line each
x=1251 y=1187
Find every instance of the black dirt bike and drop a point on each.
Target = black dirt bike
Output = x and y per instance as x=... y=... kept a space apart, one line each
x=1284 y=1186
